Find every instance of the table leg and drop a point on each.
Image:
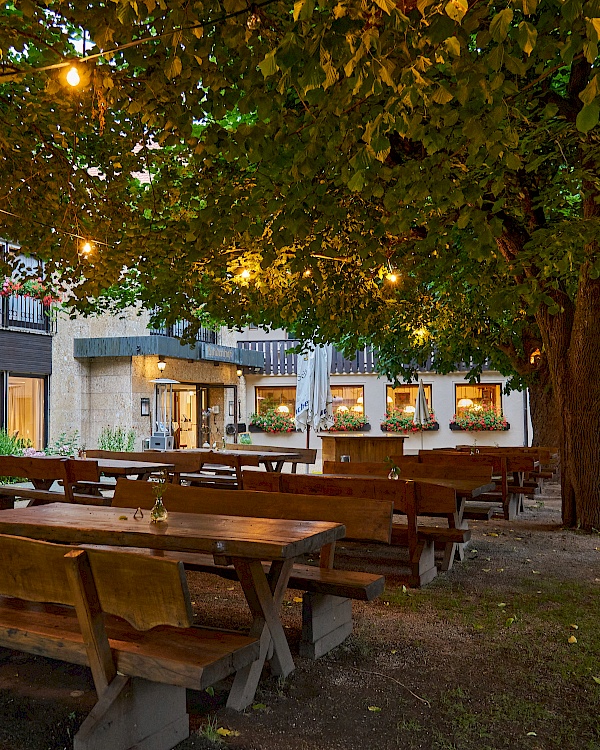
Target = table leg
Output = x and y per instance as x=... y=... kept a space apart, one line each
x=264 y=597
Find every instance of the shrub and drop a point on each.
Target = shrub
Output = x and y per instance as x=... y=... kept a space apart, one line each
x=66 y=444
x=116 y=439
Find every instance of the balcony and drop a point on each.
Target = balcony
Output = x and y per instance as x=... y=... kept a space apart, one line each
x=279 y=361
x=177 y=330
x=26 y=313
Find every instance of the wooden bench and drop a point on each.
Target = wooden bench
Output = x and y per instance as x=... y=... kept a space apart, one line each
x=305 y=455
x=130 y=620
x=429 y=500
x=79 y=480
x=326 y=610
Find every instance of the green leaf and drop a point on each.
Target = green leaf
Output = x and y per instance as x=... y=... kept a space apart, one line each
x=173 y=67
x=456 y=9
x=442 y=96
x=529 y=6
x=500 y=23
x=453 y=46
x=303 y=9
x=269 y=65
x=527 y=37
x=386 y=5
x=588 y=117
x=357 y=182
x=590 y=92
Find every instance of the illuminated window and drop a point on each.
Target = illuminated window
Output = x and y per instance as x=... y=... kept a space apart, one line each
x=479 y=396
x=282 y=399
x=26 y=409
x=404 y=397
x=348 y=398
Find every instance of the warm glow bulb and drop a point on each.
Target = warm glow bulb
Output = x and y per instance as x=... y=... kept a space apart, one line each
x=73 y=78
x=87 y=248
x=391 y=277
x=245 y=274
x=307 y=273
x=409 y=409
x=283 y=409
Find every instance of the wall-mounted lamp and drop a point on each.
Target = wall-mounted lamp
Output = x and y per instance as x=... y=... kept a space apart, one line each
x=239 y=372
x=161 y=364
x=145 y=407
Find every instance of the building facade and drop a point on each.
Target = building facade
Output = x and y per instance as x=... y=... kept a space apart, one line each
x=357 y=388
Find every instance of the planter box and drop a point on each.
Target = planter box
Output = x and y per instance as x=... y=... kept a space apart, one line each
x=365 y=428
x=255 y=428
x=434 y=428
x=456 y=428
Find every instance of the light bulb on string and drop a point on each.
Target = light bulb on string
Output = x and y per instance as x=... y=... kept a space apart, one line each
x=86 y=248
x=245 y=274
x=73 y=78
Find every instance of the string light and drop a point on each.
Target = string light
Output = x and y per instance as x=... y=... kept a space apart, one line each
x=86 y=248
x=73 y=78
x=391 y=277
x=245 y=274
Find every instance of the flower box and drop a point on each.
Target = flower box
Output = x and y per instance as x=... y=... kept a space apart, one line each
x=366 y=427
x=431 y=427
x=457 y=428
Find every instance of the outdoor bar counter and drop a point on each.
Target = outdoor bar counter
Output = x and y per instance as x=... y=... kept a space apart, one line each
x=361 y=447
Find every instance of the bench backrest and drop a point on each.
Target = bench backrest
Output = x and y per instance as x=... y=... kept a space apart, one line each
x=428 y=498
x=367 y=520
x=463 y=459
x=261 y=481
x=182 y=460
x=305 y=455
x=145 y=592
x=369 y=468
x=32 y=468
x=443 y=470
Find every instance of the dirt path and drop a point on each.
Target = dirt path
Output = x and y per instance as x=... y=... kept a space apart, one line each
x=479 y=659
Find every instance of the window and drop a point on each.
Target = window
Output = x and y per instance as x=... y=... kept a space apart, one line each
x=26 y=409
x=404 y=397
x=348 y=398
x=282 y=398
x=478 y=396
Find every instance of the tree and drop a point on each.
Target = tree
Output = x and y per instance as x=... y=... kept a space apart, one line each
x=333 y=141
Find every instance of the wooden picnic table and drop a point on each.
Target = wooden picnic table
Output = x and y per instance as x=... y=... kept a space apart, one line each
x=271 y=460
x=243 y=542
x=113 y=467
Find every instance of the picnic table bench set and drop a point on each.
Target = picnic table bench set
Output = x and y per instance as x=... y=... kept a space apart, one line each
x=87 y=578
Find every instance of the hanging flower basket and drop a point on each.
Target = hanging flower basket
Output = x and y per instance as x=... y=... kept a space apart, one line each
x=479 y=420
x=397 y=420
x=272 y=421
x=34 y=288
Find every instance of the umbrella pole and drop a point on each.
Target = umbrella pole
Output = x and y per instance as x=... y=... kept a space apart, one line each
x=307 y=442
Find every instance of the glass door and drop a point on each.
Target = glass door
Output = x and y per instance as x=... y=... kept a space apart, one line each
x=26 y=409
x=185 y=416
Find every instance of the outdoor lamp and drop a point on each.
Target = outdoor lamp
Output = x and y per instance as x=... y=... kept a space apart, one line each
x=73 y=78
x=161 y=364
x=239 y=372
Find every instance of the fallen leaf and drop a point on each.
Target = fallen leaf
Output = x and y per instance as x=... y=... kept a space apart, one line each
x=259 y=706
x=210 y=691
x=502 y=604
x=596 y=679
x=499 y=570
x=510 y=621
x=574 y=627
x=536 y=572
x=375 y=709
x=493 y=534
x=298 y=599
x=122 y=518
x=519 y=538
x=487 y=570
x=572 y=639
x=227 y=732
x=231 y=588
x=531 y=734
x=394 y=651
x=386 y=604
x=79 y=693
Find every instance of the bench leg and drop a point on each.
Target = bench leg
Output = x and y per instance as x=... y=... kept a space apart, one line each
x=135 y=713
x=326 y=622
x=422 y=564
x=511 y=509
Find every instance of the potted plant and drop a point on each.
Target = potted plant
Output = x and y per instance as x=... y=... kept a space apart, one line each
x=272 y=420
x=479 y=419
x=34 y=288
x=349 y=421
x=398 y=420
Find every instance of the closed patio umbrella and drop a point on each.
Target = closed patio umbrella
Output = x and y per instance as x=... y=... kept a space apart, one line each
x=421 y=415
x=314 y=402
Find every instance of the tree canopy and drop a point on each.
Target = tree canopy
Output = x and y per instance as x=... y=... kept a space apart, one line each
x=315 y=147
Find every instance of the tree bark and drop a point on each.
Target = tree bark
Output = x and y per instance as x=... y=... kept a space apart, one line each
x=543 y=410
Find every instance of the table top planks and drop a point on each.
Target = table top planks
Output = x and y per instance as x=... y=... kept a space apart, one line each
x=467 y=488
x=121 y=467
x=228 y=536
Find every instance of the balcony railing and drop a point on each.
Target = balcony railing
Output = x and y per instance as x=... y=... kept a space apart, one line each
x=177 y=330
x=279 y=361
x=25 y=312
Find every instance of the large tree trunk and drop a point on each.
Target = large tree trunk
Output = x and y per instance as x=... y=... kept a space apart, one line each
x=543 y=410
x=572 y=342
